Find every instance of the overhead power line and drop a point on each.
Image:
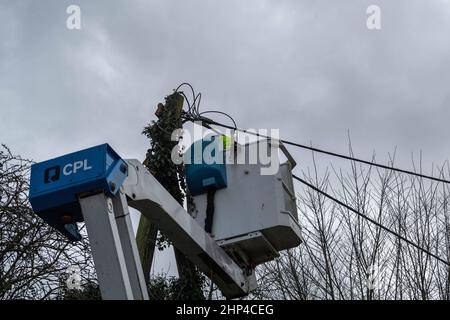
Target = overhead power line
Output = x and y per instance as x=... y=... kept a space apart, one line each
x=193 y=114
x=371 y=220
x=286 y=142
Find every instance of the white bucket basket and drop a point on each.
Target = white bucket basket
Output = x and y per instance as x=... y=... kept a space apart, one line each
x=255 y=216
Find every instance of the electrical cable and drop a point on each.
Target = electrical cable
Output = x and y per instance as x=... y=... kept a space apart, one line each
x=193 y=111
x=286 y=142
x=209 y=209
x=223 y=113
x=371 y=220
x=193 y=114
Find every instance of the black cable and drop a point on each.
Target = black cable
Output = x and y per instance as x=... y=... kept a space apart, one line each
x=222 y=113
x=194 y=108
x=187 y=101
x=186 y=84
x=286 y=142
x=371 y=220
x=196 y=115
x=197 y=107
x=209 y=209
x=190 y=106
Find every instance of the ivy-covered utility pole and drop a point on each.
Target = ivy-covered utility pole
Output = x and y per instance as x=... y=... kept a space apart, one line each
x=172 y=177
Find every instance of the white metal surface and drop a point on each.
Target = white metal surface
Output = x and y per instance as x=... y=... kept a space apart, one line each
x=256 y=214
x=128 y=241
x=147 y=195
x=107 y=251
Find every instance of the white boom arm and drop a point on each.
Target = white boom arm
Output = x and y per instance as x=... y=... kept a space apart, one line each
x=114 y=247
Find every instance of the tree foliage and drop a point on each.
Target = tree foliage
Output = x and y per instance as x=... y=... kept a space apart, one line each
x=172 y=177
x=162 y=287
x=33 y=257
x=345 y=257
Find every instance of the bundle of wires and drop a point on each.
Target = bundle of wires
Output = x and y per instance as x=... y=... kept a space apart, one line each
x=193 y=111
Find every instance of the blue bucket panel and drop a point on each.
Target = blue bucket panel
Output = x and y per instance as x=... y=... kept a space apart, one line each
x=205 y=169
x=56 y=184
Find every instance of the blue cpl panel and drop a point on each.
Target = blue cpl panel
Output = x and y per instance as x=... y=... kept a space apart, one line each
x=203 y=171
x=56 y=184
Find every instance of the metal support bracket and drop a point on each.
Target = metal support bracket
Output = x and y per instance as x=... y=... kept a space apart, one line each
x=114 y=250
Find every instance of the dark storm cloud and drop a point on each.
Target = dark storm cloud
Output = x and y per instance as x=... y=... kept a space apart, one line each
x=310 y=68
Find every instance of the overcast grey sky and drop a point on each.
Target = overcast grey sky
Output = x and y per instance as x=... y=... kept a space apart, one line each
x=310 y=68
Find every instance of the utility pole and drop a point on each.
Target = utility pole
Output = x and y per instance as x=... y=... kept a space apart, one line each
x=171 y=176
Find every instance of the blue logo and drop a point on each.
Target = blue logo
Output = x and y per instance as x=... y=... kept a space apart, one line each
x=52 y=174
